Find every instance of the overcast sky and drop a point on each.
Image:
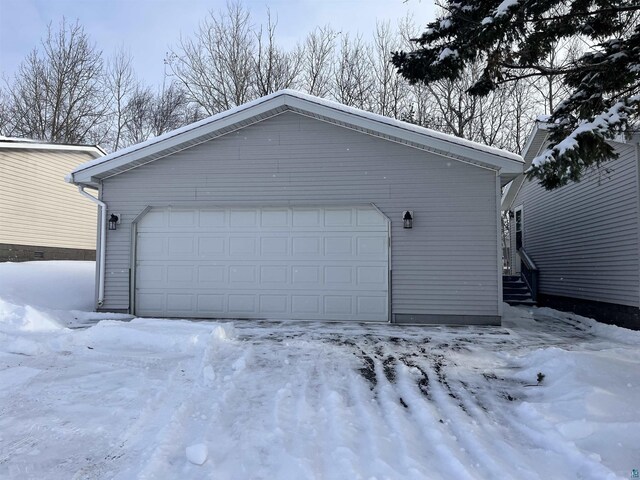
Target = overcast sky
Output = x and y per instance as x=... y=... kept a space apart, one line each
x=148 y=27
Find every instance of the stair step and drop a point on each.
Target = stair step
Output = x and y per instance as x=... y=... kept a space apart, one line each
x=515 y=291
x=527 y=303
x=526 y=294
x=511 y=278
x=515 y=288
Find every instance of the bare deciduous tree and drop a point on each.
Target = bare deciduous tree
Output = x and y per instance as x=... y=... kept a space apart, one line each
x=216 y=66
x=389 y=89
x=274 y=67
x=121 y=83
x=169 y=110
x=550 y=88
x=353 y=80
x=139 y=111
x=58 y=94
x=318 y=61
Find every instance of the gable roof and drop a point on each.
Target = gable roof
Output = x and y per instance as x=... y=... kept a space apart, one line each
x=13 y=143
x=90 y=173
x=536 y=142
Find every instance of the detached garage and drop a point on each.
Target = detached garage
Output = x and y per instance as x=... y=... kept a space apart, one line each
x=293 y=207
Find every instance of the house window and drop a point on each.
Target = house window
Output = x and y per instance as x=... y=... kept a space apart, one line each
x=518 y=217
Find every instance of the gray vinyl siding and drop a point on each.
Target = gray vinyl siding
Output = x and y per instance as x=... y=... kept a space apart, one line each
x=584 y=237
x=446 y=265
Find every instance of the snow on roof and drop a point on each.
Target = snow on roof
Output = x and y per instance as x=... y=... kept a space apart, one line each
x=30 y=144
x=16 y=139
x=313 y=100
x=600 y=124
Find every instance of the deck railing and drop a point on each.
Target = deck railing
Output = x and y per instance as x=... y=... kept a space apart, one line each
x=529 y=272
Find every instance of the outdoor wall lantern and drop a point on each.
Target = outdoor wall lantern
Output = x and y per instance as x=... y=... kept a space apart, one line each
x=114 y=220
x=407 y=219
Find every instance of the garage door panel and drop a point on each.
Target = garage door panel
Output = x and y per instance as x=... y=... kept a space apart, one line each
x=372 y=246
x=338 y=304
x=151 y=248
x=303 y=217
x=181 y=247
x=211 y=246
x=242 y=274
x=211 y=274
x=338 y=246
x=239 y=303
x=338 y=217
x=180 y=303
x=242 y=246
x=182 y=274
x=372 y=276
x=371 y=305
x=154 y=219
x=208 y=304
x=338 y=275
x=182 y=218
x=275 y=247
x=299 y=263
x=305 y=246
x=305 y=305
x=243 y=218
x=275 y=218
x=274 y=274
x=274 y=304
x=212 y=218
x=151 y=275
x=150 y=303
x=306 y=274
x=370 y=217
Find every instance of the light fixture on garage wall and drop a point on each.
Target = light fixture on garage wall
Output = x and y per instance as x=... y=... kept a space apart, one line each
x=114 y=220
x=407 y=219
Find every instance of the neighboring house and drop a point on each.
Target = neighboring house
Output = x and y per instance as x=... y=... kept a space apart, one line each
x=583 y=237
x=41 y=216
x=293 y=207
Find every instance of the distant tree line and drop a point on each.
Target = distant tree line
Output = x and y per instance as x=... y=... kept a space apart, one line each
x=68 y=91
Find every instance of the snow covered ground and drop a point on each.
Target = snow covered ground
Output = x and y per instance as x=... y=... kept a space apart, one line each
x=173 y=399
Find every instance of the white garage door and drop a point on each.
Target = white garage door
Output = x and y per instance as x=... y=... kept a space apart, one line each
x=277 y=263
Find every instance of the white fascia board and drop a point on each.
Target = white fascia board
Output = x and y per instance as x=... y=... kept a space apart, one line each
x=507 y=163
x=504 y=161
x=540 y=129
x=94 y=151
x=511 y=192
x=86 y=174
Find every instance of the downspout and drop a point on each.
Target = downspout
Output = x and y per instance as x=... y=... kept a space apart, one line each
x=103 y=240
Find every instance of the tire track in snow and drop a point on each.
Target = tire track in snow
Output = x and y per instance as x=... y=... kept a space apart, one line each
x=404 y=431
x=497 y=445
x=466 y=431
x=457 y=447
x=372 y=444
x=422 y=413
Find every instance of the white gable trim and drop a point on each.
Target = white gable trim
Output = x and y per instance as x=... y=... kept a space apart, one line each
x=24 y=144
x=513 y=188
x=464 y=150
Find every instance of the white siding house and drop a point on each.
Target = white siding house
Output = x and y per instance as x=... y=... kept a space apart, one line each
x=583 y=237
x=41 y=216
x=292 y=207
